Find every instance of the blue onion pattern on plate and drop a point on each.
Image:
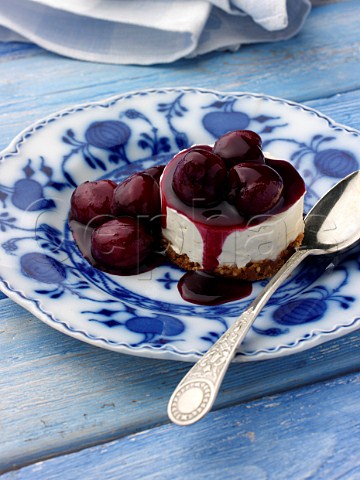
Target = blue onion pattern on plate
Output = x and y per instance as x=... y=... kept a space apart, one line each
x=43 y=270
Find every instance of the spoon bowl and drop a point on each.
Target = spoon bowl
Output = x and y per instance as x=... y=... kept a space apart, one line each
x=331 y=226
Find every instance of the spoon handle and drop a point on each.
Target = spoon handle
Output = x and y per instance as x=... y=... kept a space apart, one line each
x=195 y=395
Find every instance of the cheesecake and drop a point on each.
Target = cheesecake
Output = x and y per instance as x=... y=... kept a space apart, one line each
x=230 y=209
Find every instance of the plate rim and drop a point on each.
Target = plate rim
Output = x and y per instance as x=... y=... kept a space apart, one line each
x=114 y=98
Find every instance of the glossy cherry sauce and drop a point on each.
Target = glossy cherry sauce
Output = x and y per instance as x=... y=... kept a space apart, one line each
x=204 y=288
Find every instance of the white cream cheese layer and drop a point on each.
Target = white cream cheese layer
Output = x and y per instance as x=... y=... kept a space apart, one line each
x=264 y=241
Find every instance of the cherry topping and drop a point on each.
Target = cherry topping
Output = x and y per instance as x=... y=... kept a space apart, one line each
x=155 y=172
x=121 y=243
x=254 y=188
x=91 y=201
x=239 y=146
x=199 y=178
x=138 y=195
x=201 y=146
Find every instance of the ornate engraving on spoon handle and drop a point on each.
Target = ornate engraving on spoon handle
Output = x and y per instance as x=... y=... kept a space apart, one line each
x=196 y=393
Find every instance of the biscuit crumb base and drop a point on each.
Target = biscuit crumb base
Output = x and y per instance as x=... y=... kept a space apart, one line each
x=253 y=271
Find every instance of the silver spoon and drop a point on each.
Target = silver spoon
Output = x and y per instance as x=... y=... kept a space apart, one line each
x=332 y=225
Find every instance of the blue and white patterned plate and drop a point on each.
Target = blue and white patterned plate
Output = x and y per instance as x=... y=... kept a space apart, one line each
x=41 y=267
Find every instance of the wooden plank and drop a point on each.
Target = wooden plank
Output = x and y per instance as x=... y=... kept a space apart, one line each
x=342 y=107
x=321 y=61
x=311 y=432
x=59 y=395
x=316 y=3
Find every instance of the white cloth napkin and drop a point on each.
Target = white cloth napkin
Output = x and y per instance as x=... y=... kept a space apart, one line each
x=147 y=32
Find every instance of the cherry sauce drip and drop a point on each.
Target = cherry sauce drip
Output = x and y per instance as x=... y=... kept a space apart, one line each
x=204 y=288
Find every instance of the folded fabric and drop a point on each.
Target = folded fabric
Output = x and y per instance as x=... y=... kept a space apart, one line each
x=146 y=32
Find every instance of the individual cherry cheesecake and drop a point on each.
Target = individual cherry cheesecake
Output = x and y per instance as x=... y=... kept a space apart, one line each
x=218 y=211
x=231 y=210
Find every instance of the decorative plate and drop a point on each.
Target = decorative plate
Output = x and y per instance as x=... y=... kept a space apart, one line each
x=41 y=267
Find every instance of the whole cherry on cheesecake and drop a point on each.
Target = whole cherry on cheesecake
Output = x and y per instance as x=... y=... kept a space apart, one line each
x=254 y=188
x=121 y=243
x=155 y=172
x=91 y=202
x=138 y=195
x=199 y=178
x=239 y=146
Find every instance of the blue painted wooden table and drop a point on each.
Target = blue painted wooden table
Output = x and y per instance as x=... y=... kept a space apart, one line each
x=69 y=410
